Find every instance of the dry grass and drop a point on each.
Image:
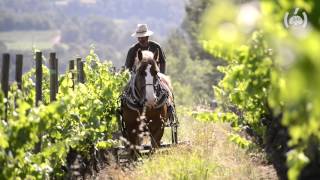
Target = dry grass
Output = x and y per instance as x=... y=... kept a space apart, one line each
x=207 y=155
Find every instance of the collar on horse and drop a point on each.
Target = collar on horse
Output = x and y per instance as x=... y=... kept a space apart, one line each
x=134 y=100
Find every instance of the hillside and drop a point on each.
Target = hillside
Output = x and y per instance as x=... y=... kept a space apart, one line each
x=80 y=23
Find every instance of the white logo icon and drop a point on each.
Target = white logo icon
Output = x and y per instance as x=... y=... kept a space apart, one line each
x=295 y=20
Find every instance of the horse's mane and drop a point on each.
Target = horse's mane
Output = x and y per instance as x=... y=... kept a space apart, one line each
x=167 y=80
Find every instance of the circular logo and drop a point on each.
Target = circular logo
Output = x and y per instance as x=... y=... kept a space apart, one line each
x=295 y=20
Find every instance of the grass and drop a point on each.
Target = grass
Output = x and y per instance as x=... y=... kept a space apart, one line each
x=207 y=155
x=182 y=163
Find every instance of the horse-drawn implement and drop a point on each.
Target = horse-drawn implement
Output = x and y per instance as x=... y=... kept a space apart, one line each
x=147 y=108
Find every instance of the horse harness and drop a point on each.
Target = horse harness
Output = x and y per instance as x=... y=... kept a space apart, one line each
x=135 y=102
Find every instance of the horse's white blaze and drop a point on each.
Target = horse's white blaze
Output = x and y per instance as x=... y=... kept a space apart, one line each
x=150 y=94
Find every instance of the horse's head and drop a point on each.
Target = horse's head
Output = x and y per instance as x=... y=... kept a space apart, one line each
x=146 y=76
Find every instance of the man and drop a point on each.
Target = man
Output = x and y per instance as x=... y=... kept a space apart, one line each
x=142 y=34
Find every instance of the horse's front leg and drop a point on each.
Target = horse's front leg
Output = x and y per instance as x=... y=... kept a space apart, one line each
x=137 y=137
x=156 y=136
x=132 y=123
x=156 y=128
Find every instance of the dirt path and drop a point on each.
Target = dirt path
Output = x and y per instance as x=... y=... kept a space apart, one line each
x=207 y=155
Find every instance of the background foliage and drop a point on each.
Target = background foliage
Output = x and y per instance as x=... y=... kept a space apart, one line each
x=268 y=75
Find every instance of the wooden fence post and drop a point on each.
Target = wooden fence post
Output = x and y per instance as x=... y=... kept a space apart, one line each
x=5 y=80
x=80 y=71
x=19 y=65
x=38 y=77
x=57 y=75
x=71 y=69
x=38 y=93
x=78 y=60
x=53 y=76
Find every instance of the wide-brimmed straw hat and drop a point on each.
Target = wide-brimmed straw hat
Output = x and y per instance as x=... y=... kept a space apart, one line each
x=142 y=31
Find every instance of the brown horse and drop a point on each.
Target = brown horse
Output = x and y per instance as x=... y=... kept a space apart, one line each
x=144 y=110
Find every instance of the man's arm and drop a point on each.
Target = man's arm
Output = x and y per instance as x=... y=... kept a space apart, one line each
x=130 y=59
x=162 y=59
